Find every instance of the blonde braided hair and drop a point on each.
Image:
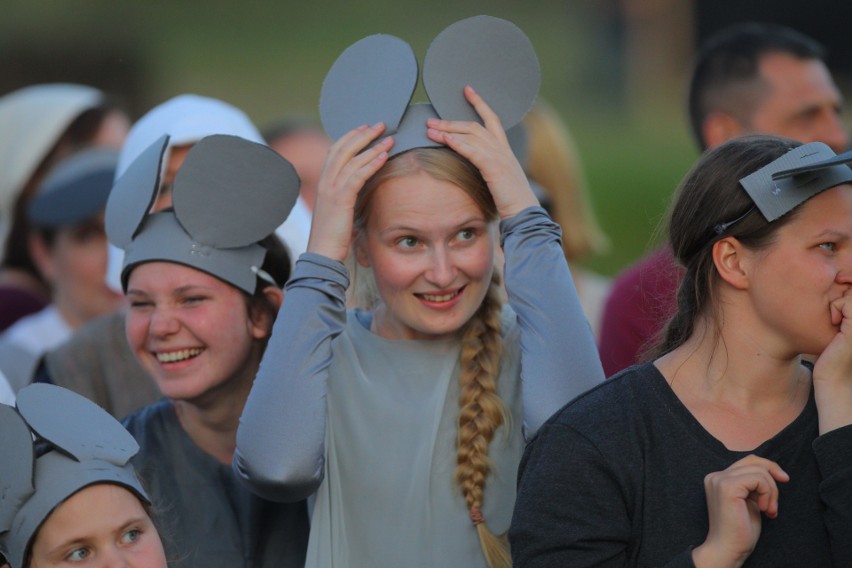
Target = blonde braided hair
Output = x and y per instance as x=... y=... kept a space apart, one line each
x=481 y=412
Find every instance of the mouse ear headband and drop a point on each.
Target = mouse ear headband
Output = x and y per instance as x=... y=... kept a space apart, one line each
x=795 y=177
x=85 y=446
x=374 y=79
x=228 y=195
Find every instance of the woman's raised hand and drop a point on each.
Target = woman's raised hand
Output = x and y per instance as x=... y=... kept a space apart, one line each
x=487 y=148
x=833 y=370
x=343 y=176
x=736 y=497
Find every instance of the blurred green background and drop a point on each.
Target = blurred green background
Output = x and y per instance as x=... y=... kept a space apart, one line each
x=615 y=70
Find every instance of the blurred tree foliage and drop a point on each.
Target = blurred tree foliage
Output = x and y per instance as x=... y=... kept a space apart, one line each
x=270 y=59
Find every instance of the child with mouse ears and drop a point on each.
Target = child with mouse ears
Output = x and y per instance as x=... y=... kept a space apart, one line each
x=407 y=416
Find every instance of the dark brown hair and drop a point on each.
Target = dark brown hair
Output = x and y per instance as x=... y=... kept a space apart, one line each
x=711 y=197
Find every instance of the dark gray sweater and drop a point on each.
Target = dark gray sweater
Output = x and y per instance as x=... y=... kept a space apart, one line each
x=616 y=478
x=206 y=517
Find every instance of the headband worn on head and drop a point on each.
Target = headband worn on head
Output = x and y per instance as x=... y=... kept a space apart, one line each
x=228 y=195
x=795 y=177
x=86 y=446
x=374 y=79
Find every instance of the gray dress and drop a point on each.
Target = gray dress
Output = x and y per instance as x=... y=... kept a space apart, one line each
x=206 y=518
x=370 y=424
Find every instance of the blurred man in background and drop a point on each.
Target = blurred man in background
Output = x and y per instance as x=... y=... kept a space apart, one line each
x=748 y=78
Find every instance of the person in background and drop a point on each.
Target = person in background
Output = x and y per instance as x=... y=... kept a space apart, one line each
x=203 y=280
x=40 y=125
x=70 y=496
x=552 y=163
x=747 y=78
x=728 y=448
x=304 y=144
x=69 y=249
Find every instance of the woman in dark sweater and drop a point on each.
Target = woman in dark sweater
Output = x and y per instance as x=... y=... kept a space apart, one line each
x=728 y=449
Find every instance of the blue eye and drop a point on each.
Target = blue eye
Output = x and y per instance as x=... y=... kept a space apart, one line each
x=831 y=247
x=131 y=536
x=78 y=555
x=408 y=242
x=466 y=234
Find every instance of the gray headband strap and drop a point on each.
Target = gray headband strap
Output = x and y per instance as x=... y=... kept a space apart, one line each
x=373 y=81
x=87 y=446
x=795 y=177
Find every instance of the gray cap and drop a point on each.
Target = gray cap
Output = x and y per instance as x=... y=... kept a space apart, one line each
x=85 y=446
x=778 y=187
x=228 y=195
x=374 y=79
x=75 y=190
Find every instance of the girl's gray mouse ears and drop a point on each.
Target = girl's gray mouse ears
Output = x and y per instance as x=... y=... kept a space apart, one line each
x=374 y=79
x=133 y=194
x=66 y=422
x=228 y=193
x=54 y=444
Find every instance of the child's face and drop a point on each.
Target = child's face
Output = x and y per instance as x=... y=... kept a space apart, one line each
x=100 y=525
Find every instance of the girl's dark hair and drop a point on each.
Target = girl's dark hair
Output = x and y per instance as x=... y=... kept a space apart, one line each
x=710 y=197
x=277 y=264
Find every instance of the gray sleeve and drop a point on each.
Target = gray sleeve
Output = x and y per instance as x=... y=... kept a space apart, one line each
x=280 y=452
x=559 y=358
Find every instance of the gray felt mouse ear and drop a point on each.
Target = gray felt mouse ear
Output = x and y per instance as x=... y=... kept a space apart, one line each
x=491 y=55
x=372 y=81
x=795 y=177
x=133 y=194
x=16 y=449
x=93 y=434
x=230 y=192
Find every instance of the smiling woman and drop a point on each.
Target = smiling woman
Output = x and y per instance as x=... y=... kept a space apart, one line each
x=408 y=414
x=203 y=297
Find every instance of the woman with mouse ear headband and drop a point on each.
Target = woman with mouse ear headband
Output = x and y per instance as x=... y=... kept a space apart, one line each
x=203 y=281
x=730 y=448
x=407 y=415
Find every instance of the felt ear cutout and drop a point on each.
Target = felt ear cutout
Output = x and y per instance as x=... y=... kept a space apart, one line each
x=494 y=57
x=93 y=434
x=230 y=192
x=133 y=194
x=16 y=449
x=795 y=177
x=372 y=81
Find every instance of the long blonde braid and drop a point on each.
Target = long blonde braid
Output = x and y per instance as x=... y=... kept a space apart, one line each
x=481 y=413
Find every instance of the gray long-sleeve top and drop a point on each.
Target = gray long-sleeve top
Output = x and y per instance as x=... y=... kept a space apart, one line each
x=281 y=442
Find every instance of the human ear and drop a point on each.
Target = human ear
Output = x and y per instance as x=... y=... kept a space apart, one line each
x=732 y=262
x=260 y=317
x=42 y=256
x=719 y=127
x=360 y=248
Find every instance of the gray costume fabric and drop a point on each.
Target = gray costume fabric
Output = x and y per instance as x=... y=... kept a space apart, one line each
x=616 y=478
x=206 y=517
x=371 y=422
x=97 y=362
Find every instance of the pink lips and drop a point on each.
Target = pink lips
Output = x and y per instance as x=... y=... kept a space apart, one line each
x=440 y=299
